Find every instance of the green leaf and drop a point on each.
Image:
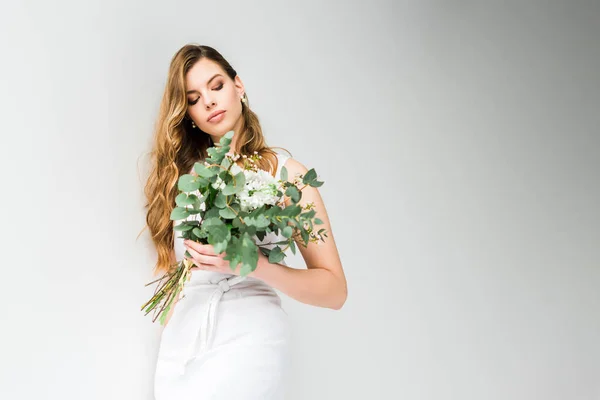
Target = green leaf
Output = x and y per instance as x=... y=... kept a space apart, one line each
x=220 y=247
x=184 y=227
x=212 y=212
x=188 y=183
x=246 y=269
x=227 y=213
x=236 y=186
x=318 y=221
x=226 y=163
x=291 y=211
x=226 y=138
x=293 y=193
x=204 y=171
x=283 y=175
x=305 y=237
x=276 y=255
x=199 y=233
x=179 y=213
x=311 y=175
x=243 y=251
x=309 y=214
x=249 y=250
x=237 y=223
x=221 y=200
x=234 y=255
x=259 y=221
x=218 y=233
x=184 y=199
x=212 y=221
x=293 y=247
x=229 y=189
x=287 y=231
x=236 y=207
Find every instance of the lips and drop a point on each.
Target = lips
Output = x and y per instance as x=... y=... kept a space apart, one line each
x=215 y=114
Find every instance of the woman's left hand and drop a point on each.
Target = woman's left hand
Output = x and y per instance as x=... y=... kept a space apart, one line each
x=205 y=258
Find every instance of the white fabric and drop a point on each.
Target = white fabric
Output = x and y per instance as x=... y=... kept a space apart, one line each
x=227 y=338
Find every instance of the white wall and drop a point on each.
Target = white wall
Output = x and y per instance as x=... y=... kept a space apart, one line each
x=459 y=146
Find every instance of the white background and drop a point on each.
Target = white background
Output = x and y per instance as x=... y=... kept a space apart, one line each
x=458 y=142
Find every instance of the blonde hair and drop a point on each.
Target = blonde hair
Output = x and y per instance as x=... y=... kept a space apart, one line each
x=176 y=146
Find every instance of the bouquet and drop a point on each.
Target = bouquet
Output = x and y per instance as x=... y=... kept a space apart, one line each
x=228 y=206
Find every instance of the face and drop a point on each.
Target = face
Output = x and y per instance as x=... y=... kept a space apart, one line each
x=209 y=89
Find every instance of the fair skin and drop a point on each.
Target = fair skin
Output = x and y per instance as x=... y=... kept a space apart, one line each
x=323 y=282
x=210 y=89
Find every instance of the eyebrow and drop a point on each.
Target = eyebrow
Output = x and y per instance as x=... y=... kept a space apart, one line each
x=207 y=83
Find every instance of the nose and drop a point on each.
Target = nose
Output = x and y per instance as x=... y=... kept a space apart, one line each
x=209 y=103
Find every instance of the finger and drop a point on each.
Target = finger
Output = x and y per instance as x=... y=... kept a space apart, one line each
x=198 y=266
x=195 y=265
x=201 y=258
x=200 y=248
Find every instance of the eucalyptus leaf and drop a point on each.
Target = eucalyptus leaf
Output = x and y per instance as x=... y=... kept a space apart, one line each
x=287 y=231
x=229 y=189
x=291 y=211
x=218 y=233
x=247 y=268
x=309 y=214
x=188 y=183
x=198 y=232
x=305 y=237
x=293 y=193
x=184 y=199
x=276 y=255
x=212 y=212
x=183 y=227
x=212 y=221
x=227 y=213
x=179 y=213
x=259 y=222
x=221 y=200
x=226 y=163
x=310 y=176
x=204 y=171
x=220 y=246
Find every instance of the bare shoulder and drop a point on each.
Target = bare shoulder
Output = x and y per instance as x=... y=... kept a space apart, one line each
x=294 y=167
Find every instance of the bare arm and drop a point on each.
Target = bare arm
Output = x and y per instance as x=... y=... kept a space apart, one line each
x=323 y=283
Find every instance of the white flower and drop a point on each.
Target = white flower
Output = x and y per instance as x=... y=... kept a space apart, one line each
x=219 y=184
x=260 y=189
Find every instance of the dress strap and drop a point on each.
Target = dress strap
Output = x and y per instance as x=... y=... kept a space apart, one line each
x=281 y=159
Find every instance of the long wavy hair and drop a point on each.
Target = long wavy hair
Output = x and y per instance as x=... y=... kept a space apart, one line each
x=176 y=146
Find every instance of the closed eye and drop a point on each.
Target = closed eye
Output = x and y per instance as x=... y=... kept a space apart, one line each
x=192 y=102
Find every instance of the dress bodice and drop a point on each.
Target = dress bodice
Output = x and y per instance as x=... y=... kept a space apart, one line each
x=270 y=237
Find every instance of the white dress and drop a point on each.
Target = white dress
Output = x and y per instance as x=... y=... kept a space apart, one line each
x=228 y=337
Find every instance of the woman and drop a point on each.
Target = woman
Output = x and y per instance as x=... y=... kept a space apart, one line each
x=227 y=336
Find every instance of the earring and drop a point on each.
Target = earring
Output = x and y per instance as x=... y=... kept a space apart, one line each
x=193 y=124
x=244 y=100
